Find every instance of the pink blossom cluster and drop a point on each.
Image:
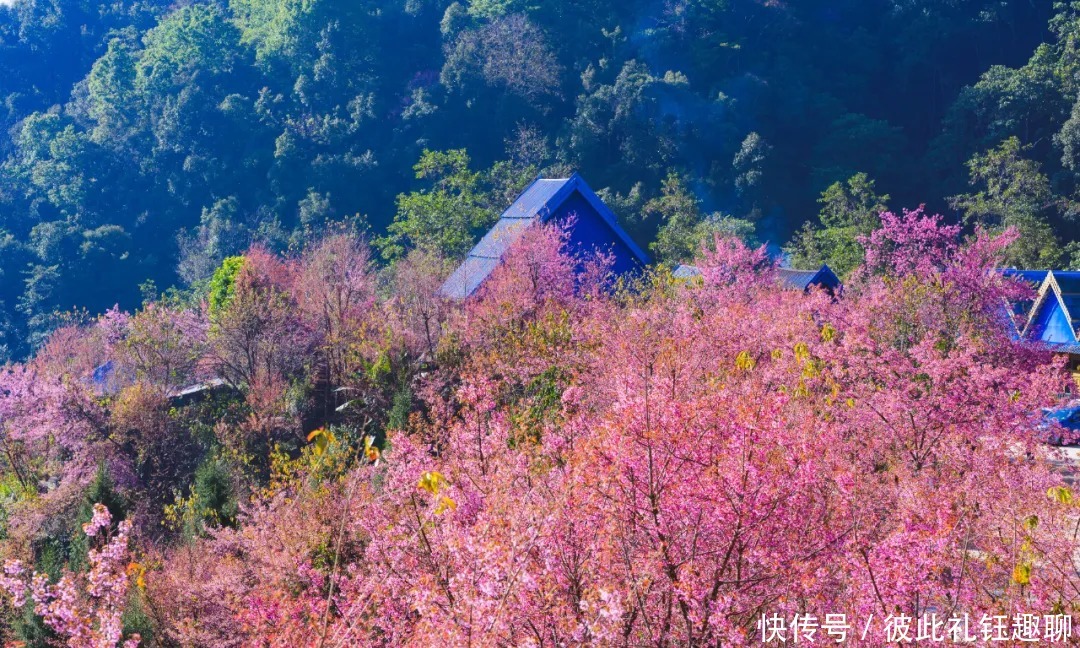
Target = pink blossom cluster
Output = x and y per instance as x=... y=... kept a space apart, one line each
x=571 y=461
x=717 y=451
x=87 y=610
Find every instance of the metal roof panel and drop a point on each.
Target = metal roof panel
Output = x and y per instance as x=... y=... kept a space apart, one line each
x=468 y=277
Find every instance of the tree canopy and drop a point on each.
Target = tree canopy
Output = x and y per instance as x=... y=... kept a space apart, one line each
x=149 y=140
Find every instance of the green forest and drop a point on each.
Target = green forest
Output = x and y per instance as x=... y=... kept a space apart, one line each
x=144 y=142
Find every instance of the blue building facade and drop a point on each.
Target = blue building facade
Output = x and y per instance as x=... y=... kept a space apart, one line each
x=548 y=200
x=1053 y=317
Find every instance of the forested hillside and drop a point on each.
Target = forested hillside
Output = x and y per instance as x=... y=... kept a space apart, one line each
x=285 y=433
x=146 y=141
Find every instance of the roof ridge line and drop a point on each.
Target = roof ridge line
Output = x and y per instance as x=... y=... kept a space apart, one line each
x=1051 y=284
x=1064 y=307
x=577 y=182
x=1040 y=299
x=1061 y=302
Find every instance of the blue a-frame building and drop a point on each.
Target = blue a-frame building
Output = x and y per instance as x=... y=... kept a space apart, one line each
x=1052 y=319
x=549 y=200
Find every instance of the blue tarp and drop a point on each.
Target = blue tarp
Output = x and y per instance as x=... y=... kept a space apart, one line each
x=102 y=374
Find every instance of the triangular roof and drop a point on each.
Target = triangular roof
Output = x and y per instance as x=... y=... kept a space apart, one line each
x=1059 y=289
x=537 y=203
x=1021 y=310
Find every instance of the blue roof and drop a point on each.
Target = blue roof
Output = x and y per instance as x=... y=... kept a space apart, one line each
x=542 y=200
x=500 y=237
x=537 y=198
x=1052 y=320
x=803 y=279
x=1021 y=309
x=1034 y=276
x=788 y=278
x=468 y=276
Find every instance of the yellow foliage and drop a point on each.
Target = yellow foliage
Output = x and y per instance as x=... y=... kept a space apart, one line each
x=1022 y=574
x=283 y=471
x=432 y=481
x=1060 y=494
x=322 y=438
x=370 y=451
x=745 y=361
x=185 y=513
x=139 y=572
x=445 y=504
x=802 y=351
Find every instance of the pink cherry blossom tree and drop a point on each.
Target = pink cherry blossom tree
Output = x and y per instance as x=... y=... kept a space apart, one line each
x=84 y=609
x=664 y=463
